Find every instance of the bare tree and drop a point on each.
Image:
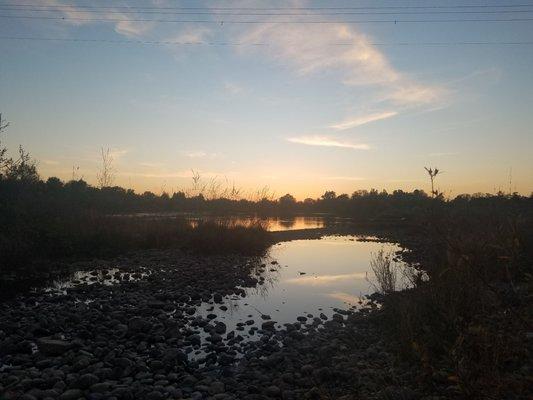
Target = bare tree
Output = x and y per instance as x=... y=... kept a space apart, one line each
x=105 y=176
x=198 y=187
x=234 y=192
x=75 y=170
x=214 y=188
x=3 y=150
x=433 y=172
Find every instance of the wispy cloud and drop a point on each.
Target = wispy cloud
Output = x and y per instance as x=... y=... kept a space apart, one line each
x=50 y=162
x=133 y=28
x=199 y=154
x=192 y=35
x=340 y=49
x=327 y=142
x=126 y=24
x=117 y=154
x=363 y=119
x=344 y=178
x=233 y=88
x=167 y=173
x=443 y=154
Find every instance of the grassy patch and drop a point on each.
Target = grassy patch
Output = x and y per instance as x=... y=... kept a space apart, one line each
x=467 y=325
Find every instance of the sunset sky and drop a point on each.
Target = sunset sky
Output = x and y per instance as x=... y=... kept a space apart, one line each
x=298 y=107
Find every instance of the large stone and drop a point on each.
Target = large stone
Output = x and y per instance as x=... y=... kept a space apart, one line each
x=272 y=391
x=87 y=380
x=268 y=325
x=53 y=347
x=137 y=324
x=220 y=327
x=217 y=387
x=71 y=394
x=173 y=356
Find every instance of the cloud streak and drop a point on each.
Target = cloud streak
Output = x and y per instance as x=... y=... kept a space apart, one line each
x=362 y=120
x=326 y=142
x=339 y=49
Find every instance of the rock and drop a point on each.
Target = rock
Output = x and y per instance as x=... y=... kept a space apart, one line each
x=225 y=359
x=137 y=324
x=220 y=327
x=87 y=380
x=338 y=318
x=273 y=391
x=154 y=396
x=307 y=369
x=52 y=347
x=71 y=394
x=217 y=298
x=27 y=396
x=100 y=387
x=195 y=340
x=123 y=362
x=217 y=387
x=172 y=356
x=396 y=393
x=268 y=325
x=197 y=396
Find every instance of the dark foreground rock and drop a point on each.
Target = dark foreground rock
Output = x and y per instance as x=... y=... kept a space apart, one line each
x=143 y=339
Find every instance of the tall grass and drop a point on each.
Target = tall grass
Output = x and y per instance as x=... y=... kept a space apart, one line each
x=469 y=321
x=95 y=235
x=385 y=272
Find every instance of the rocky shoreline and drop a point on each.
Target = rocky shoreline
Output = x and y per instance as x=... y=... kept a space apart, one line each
x=142 y=337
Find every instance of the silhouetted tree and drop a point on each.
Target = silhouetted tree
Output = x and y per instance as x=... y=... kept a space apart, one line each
x=105 y=176
x=432 y=172
x=329 y=195
x=3 y=150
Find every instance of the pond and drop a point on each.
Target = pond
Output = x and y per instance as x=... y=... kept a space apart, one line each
x=302 y=280
x=306 y=278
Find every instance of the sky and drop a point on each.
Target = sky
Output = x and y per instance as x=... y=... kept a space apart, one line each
x=257 y=100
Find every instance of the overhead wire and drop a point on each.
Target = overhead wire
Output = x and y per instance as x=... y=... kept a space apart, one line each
x=204 y=43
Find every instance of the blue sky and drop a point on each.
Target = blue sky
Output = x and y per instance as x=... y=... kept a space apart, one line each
x=299 y=108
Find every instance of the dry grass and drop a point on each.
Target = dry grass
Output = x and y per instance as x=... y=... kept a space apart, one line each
x=385 y=272
x=92 y=235
x=470 y=319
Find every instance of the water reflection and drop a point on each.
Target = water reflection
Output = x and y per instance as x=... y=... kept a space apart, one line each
x=325 y=279
x=284 y=223
x=273 y=224
x=306 y=277
x=346 y=298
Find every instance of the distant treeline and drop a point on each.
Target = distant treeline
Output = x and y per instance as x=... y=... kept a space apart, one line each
x=78 y=196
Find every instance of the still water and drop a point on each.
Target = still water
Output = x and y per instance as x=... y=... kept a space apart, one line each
x=304 y=277
x=297 y=281
x=272 y=223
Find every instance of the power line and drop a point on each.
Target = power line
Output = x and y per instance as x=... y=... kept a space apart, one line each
x=462 y=6
x=211 y=21
x=247 y=14
x=182 y=43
